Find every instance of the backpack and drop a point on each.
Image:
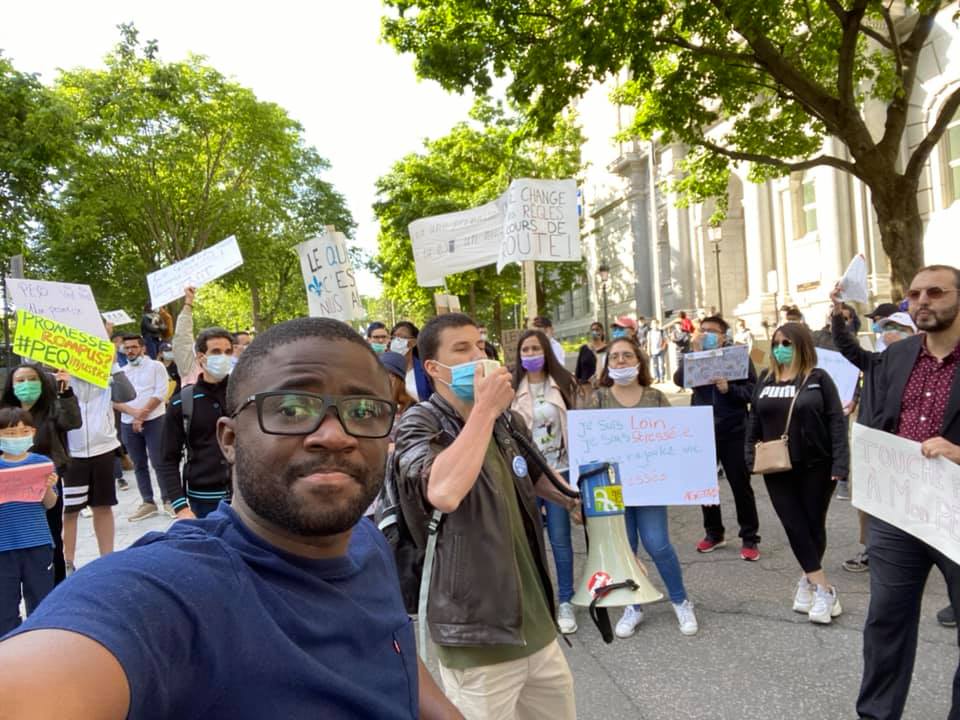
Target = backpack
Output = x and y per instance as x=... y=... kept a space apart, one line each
x=389 y=519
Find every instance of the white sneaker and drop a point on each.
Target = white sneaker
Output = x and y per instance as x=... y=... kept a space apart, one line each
x=566 y=619
x=627 y=625
x=686 y=618
x=803 y=600
x=826 y=606
x=85 y=511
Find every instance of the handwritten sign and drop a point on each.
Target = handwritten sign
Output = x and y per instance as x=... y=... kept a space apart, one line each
x=117 y=317
x=510 y=339
x=666 y=456
x=65 y=348
x=166 y=284
x=24 y=484
x=456 y=242
x=446 y=303
x=328 y=277
x=68 y=303
x=895 y=483
x=540 y=222
x=728 y=363
x=845 y=375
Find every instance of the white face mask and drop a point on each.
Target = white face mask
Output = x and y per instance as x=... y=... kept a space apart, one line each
x=219 y=366
x=624 y=375
x=399 y=345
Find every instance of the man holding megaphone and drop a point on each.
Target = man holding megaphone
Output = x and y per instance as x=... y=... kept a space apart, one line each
x=468 y=490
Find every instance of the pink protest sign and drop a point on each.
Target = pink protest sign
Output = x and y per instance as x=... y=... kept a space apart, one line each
x=24 y=484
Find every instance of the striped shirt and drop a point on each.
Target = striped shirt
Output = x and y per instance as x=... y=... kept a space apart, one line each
x=23 y=524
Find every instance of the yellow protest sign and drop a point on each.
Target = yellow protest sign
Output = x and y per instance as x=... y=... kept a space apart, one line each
x=63 y=347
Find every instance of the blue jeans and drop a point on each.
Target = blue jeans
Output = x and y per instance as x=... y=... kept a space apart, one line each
x=659 y=367
x=651 y=526
x=558 y=530
x=29 y=568
x=143 y=446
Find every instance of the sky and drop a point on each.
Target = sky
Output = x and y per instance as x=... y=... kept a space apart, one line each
x=359 y=101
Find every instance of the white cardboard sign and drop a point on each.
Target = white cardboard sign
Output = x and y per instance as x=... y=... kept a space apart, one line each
x=456 y=242
x=667 y=456
x=895 y=483
x=117 y=317
x=69 y=303
x=328 y=277
x=540 y=222
x=853 y=284
x=728 y=363
x=845 y=375
x=167 y=284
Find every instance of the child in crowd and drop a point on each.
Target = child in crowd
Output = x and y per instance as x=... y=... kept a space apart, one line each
x=26 y=546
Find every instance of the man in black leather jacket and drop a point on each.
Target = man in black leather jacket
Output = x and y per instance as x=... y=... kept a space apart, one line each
x=490 y=609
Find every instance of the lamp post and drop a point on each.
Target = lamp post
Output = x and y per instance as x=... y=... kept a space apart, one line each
x=603 y=272
x=715 y=241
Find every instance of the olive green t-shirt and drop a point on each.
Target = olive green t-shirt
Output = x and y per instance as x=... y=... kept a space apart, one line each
x=537 y=627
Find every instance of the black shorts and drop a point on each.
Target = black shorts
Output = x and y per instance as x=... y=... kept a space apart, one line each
x=89 y=481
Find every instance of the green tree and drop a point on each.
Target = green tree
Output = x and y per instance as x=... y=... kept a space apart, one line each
x=36 y=142
x=468 y=167
x=772 y=77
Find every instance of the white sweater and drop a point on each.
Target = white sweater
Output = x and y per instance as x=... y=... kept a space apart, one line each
x=98 y=434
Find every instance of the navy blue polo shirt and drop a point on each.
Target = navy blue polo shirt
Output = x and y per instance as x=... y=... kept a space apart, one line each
x=208 y=620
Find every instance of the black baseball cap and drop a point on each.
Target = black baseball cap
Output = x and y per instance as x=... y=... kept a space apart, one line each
x=883 y=310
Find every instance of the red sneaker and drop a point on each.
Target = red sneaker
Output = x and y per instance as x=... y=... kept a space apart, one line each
x=709 y=545
x=750 y=554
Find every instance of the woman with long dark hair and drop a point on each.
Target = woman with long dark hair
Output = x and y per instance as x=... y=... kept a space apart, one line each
x=403 y=341
x=55 y=410
x=816 y=432
x=626 y=383
x=545 y=392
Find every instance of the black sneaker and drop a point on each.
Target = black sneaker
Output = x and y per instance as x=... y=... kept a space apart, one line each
x=947 y=617
x=123 y=484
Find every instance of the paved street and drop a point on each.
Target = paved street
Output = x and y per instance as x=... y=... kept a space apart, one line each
x=753 y=658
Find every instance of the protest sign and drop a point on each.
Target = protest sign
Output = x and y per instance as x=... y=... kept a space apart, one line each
x=510 y=338
x=667 y=456
x=24 y=484
x=895 y=483
x=456 y=242
x=117 y=317
x=853 y=284
x=167 y=284
x=68 y=303
x=845 y=375
x=446 y=303
x=65 y=348
x=328 y=277
x=728 y=363
x=540 y=222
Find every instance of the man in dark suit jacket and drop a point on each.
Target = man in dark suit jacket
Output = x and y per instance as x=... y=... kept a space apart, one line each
x=919 y=399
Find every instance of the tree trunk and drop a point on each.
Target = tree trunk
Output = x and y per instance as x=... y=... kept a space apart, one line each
x=498 y=316
x=901 y=232
x=255 y=303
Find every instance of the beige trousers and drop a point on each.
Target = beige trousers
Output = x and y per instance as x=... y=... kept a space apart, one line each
x=539 y=687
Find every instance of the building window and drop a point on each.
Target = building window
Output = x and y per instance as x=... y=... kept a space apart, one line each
x=953 y=160
x=809 y=205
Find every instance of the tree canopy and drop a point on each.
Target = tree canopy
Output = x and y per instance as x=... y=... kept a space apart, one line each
x=471 y=165
x=770 y=78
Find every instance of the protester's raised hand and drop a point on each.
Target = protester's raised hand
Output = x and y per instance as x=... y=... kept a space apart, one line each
x=189 y=295
x=492 y=392
x=836 y=296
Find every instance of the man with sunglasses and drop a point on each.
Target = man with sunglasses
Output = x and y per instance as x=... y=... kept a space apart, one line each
x=284 y=604
x=918 y=398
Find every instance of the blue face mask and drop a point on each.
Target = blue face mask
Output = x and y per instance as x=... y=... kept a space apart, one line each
x=618 y=333
x=461 y=380
x=710 y=341
x=16 y=445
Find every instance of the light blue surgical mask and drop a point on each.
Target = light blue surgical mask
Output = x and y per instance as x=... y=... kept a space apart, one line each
x=461 y=380
x=219 y=366
x=710 y=341
x=16 y=445
x=783 y=354
x=618 y=333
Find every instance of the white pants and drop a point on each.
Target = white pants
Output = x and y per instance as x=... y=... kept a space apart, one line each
x=539 y=687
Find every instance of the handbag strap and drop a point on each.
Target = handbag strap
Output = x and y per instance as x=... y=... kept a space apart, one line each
x=786 y=430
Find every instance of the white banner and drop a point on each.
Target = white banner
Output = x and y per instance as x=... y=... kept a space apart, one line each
x=117 y=317
x=845 y=375
x=894 y=482
x=452 y=243
x=728 y=363
x=167 y=284
x=667 y=456
x=532 y=220
x=540 y=222
x=69 y=303
x=328 y=277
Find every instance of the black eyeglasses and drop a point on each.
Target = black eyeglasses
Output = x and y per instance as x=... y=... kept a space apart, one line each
x=292 y=412
x=782 y=343
x=934 y=293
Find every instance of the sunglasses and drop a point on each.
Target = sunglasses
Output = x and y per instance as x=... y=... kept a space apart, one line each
x=782 y=343
x=934 y=293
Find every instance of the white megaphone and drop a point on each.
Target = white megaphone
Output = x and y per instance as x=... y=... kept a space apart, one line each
x=610 y=561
